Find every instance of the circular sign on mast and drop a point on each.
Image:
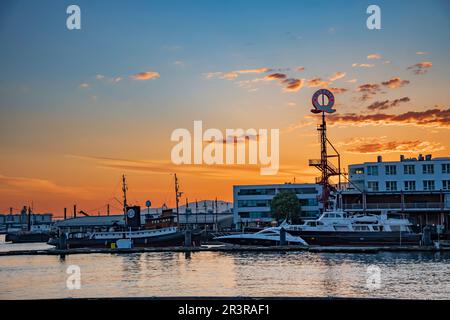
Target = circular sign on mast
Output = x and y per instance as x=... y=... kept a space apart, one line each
x=323 y=101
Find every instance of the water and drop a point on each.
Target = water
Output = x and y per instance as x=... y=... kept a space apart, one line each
x=403 y=275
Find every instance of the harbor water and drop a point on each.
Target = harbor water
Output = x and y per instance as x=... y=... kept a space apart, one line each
x=411 y=275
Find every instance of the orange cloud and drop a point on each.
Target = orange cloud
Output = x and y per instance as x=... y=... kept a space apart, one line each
x=146 y=75
x=317 y=82
x=337 y=75
x=380 y=145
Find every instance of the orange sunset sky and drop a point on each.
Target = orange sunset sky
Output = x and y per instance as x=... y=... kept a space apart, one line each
x=80 y=108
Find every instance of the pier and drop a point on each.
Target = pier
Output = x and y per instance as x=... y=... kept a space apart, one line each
x=289 y=248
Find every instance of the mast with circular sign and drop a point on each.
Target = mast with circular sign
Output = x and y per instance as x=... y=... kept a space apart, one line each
x=323 y=102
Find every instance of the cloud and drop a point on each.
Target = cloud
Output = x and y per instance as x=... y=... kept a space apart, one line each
x=380 y=145
x=395 y=82
x=421 y=67
x=338 y=90
x=146 y=75
x=179 y=63
x=437 y=118
x=292 y=85
x=352 y=80
x=102 y=77
x=386 y=104
x=362 y=65
x=387 y=62
x=374 y=56
x=368 y=90
x=337 y=75
x=422 y=53
x=276 y=76
x=231 y=75
x=300 y=69
x=84 y=85
x=316 y=82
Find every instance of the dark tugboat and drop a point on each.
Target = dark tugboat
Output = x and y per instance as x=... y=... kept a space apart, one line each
x=154 y=232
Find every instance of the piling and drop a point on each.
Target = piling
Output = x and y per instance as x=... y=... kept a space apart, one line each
x=282 y=237
x=65 y=213
x=187 y=238
x=426 y=236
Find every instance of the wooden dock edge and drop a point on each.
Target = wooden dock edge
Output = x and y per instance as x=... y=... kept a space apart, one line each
x=230 y=249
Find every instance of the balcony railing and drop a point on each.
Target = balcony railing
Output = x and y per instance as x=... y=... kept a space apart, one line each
x=399 y=206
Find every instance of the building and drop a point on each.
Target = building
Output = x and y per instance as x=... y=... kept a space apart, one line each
x=251 y=203
x=20 y=221
x=419 y=187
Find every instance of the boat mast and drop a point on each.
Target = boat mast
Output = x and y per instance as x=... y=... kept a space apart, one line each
x=124 y=190
x=177 y=198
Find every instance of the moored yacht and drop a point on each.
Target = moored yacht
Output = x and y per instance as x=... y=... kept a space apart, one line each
x=266 y=237
x=339 y=228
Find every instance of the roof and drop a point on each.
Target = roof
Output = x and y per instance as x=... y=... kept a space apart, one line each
x=92 y=221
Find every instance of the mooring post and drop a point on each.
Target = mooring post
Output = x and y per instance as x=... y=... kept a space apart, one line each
x=282 y=237
x=62 y=241
x=187 y=238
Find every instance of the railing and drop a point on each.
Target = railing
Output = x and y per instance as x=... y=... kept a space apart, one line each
x=387 y=205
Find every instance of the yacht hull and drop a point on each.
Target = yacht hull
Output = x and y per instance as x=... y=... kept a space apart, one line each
x=333 y=238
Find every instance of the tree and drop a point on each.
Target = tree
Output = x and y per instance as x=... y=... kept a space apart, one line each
x=285 y=205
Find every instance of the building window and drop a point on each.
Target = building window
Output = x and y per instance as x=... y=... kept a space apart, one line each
x=446 y=184
x=303 y=190
x=359 y=170
x=391 y=170
x=255 y=192
x=253 y=203
x=372 y=185
x=372 y=170
x=428 y=168
x=410 y=185
x=428 y=185
x=409 y=169
x=446 y=168
x=391 y=185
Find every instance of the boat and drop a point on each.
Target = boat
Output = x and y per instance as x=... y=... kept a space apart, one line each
x=35 y=233
x=336 y=227
x=267 y=237
x=156 y=231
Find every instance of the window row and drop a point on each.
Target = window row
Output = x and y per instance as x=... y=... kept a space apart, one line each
x=427 y=185
x=391 y=169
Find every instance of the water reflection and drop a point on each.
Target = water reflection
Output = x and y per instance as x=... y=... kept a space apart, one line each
x=403 y=275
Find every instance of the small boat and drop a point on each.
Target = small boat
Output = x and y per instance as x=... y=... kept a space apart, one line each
x=37 y=233
x=266 y=237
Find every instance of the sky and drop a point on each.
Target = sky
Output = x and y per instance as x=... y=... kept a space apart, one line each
x=79 y=108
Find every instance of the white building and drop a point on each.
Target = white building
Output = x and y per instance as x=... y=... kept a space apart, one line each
x=251 y=203
x=418 y=187
x=408 y=174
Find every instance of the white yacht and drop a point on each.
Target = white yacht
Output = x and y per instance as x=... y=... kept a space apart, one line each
x=339 y=228
x=266 y=237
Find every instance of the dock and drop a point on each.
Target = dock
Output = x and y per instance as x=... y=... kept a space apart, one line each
x=230 y=249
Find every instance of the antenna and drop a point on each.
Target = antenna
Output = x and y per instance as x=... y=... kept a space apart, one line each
x=124 y=190
x=177 y=198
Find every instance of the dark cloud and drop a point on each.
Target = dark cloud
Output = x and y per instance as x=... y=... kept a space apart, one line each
x=428 y=118
x=386 y=104
x=421 y=67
